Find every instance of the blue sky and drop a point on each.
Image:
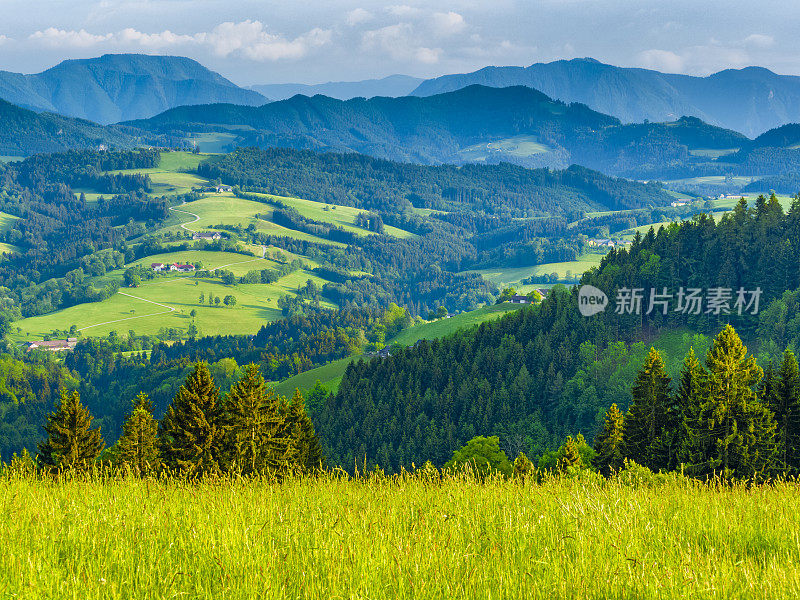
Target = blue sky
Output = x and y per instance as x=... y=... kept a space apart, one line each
x=253 y=41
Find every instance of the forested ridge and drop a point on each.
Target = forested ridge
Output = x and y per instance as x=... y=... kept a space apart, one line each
x=539 y=374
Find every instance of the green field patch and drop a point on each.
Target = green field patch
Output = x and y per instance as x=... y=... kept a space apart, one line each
x=168 y=300
x=521 y=146
x=6 y=159
x=330 y=375
x=504 y=276
x=343 y=216
x=174 y=174
x=213 y=142
x=7 y=221
x=226 y=209
x=712 y=152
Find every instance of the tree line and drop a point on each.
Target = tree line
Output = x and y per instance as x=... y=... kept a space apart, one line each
x=249 y=431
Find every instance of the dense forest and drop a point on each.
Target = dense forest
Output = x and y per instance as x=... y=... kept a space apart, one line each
x=536 y=375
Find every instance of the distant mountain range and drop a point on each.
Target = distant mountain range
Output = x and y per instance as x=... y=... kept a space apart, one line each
x=750 y=100
x=120 y=87
x=392 y=86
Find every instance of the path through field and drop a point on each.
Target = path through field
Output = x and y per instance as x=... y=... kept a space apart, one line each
x=186 y=212
x=171 y=309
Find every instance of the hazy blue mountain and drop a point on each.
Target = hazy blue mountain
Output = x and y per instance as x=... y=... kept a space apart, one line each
x=119 y=87
x=24 y=132
x=750 y=100
x=392 y=86
x=474 y=124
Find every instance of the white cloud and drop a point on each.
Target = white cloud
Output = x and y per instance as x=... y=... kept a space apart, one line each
x=403 y=10
x=358 y=16
x=759 y=40
x=57 y=38
x=449 y=23
x=662 y=60
x=249 y=39
x=400 y=42
x=153 y=40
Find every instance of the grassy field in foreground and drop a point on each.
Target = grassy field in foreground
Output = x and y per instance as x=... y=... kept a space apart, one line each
x=396 y=538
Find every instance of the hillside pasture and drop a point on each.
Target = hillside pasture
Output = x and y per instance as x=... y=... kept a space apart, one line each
x=343 y=216
x=168 y=300
x=226 y=209
x=520 y=146
x=331 y=374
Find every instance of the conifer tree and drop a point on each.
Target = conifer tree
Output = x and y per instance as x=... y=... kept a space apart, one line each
x=138 y=446
x=609 y=442
x=191 y=435
x=733 y=434
x=785 y=405
x=308 y=450
x=652 y=416
x=256 y=435
x=688 y=400
x=568 y=456
x=71 y=443
x=523 y=467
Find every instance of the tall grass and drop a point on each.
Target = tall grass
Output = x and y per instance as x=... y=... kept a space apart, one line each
x=400 y=537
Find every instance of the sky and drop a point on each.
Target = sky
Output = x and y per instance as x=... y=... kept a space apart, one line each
x=256 y=41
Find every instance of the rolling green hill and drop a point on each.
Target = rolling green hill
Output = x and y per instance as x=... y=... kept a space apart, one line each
x=331 y=374
x=474 y=124
x=24 y=132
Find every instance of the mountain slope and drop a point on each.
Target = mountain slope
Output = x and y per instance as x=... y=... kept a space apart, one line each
x=392 y=86
x=118 y=87
x=24 y=132
x=750 y=100
x=473 y=124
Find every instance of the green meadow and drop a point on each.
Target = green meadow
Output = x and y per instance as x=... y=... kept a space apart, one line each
x=331 y=374
x=168 y=300
x=410 y=536
x=520 y=146
x=512 y=276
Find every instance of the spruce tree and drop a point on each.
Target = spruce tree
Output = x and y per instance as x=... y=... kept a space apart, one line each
x=256 y=433
x=608 y=442
x=785 y=405
x=688 y=399
x=733 y=434
x=71 y=443
x=651 y=420
x=191 y=435
x=138 y=446
x=308 y=450
x=568 y=456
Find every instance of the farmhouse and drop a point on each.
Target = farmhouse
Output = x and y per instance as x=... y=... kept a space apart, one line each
x=679 y=203
x=206 y=235
x=520 y=299
x=54 y=345
x=223 y=188
x=159 y=267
